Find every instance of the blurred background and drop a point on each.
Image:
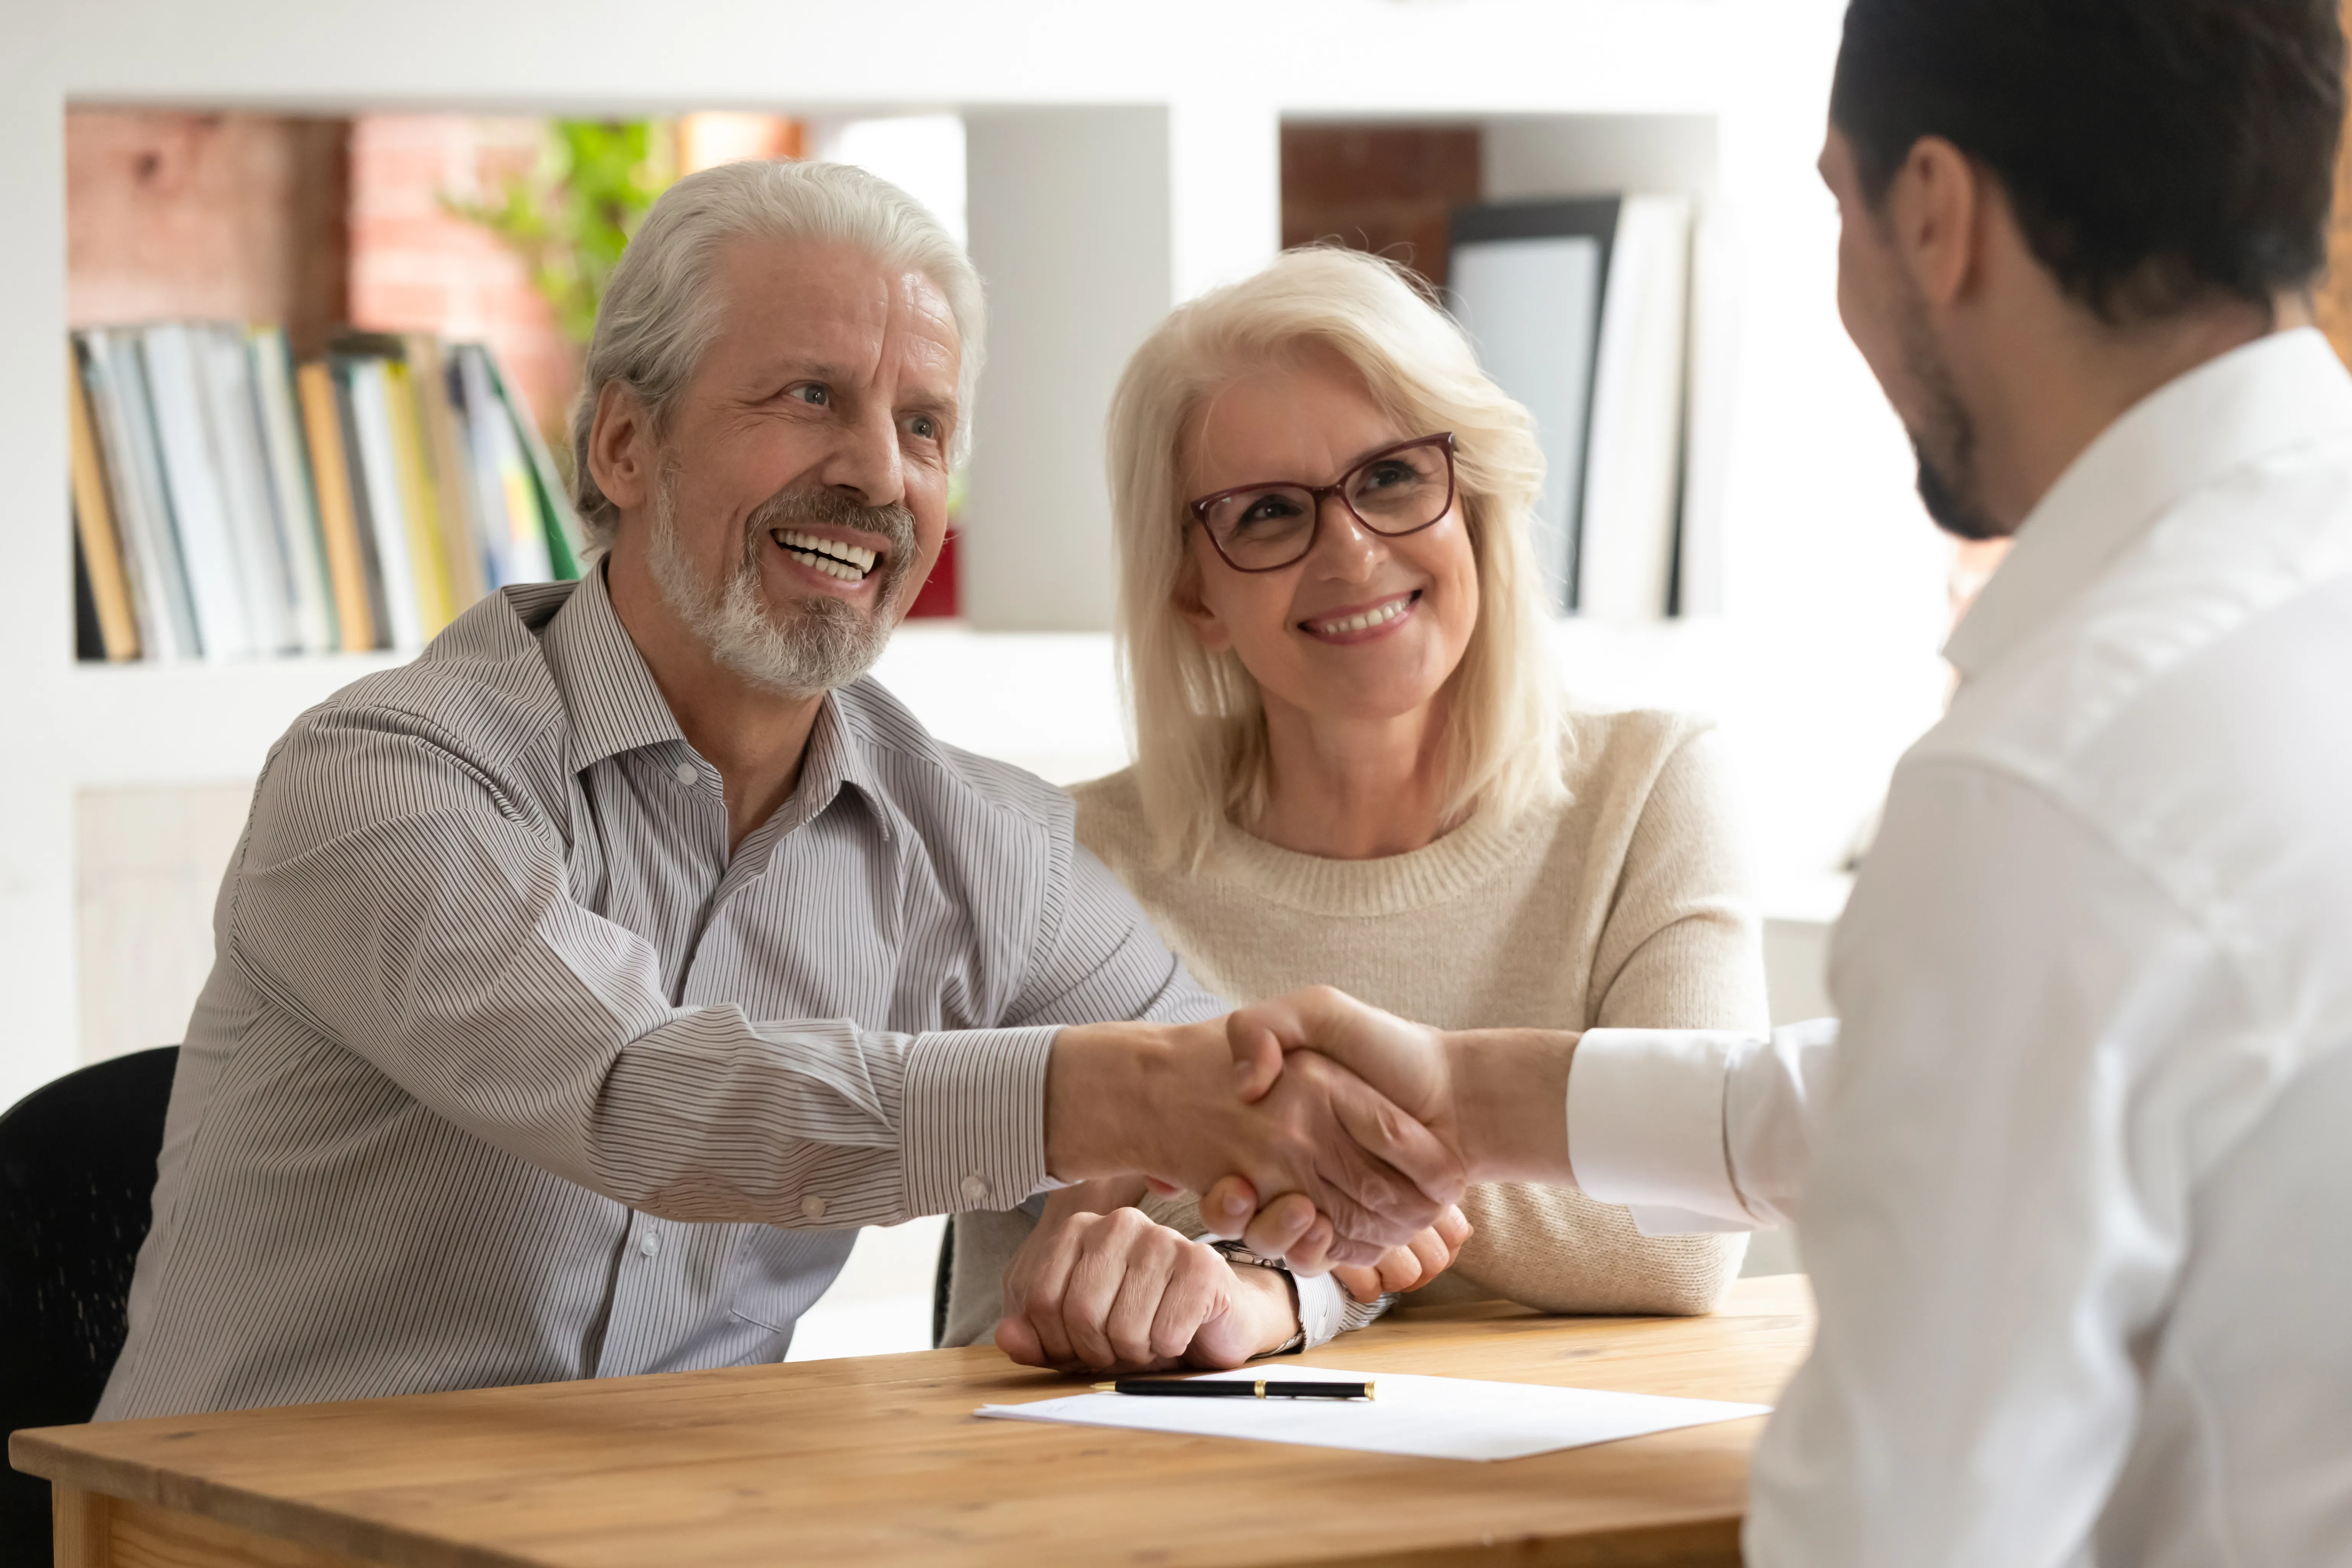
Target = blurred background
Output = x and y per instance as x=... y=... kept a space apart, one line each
x=315 y=280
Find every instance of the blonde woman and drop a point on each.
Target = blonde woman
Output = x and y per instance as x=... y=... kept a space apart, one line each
x=1352 y=767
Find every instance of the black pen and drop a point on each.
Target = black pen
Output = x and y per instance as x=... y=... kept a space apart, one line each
x=1236 y=1388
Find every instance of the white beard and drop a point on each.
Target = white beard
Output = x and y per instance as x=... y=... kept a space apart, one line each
x=813 y=647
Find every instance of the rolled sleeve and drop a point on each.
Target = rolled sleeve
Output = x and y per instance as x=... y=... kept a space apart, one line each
x=1645 y=1127
x=975 y=1119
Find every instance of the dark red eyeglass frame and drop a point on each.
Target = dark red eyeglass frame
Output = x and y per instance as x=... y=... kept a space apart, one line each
x=1443 y=438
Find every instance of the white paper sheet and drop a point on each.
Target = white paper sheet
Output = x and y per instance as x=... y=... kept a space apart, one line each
x=1424 y=1417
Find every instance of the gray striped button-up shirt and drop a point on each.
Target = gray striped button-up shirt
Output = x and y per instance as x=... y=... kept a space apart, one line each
x=507 y=1072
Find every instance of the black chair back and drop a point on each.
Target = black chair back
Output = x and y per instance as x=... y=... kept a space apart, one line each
x=77 y=1181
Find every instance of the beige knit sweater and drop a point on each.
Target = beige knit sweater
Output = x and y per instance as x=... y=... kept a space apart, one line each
x=1624 y=905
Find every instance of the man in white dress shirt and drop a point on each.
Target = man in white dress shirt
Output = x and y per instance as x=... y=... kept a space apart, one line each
x=2075 y=1171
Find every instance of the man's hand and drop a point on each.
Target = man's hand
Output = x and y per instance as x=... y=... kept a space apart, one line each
x=1231 y=1208
x=1406 y=1061
x=1165 y=1101
x=1114 y=1293
x=1412 y=1266
x=1497 y=1097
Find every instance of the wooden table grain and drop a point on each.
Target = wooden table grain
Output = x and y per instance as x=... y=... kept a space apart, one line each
x=880 y=1460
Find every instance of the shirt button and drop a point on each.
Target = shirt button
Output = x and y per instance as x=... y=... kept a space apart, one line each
x=975 y=1189
x=649 y=1245
x=812 y=1207
x=686 y=774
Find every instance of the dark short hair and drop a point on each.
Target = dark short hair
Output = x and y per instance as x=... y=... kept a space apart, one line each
x=2154 y=152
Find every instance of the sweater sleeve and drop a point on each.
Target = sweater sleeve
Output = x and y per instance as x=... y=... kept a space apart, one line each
x=1682 y=949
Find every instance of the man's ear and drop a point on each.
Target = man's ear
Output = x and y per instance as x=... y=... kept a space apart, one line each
x=1935 y=213
x=621 y=447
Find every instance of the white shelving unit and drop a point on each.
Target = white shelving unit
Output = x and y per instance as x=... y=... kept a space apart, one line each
x=1121 y=157
x=141 y=724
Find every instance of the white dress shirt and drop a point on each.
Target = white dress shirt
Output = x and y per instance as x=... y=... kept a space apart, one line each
x=2076 y=1173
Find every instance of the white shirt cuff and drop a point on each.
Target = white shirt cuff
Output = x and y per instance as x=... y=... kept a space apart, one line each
x=1645 y=1127
x=1322 y=1307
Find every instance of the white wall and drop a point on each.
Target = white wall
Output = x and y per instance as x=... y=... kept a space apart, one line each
x=1069 y=213
x=148 y=865
x=1088 y=225
x=1530 y=156
x=37 y=804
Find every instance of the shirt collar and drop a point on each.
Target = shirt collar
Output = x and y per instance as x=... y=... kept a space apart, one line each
x=2275 y=393
x=837 y=755
x=616 y=707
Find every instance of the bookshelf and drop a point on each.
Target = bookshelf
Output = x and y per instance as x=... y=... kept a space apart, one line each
x=1119 y=159
x=159 y=724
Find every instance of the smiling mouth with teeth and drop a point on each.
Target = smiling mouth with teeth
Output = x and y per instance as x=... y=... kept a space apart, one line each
x=850 y=563
x=1378 y=616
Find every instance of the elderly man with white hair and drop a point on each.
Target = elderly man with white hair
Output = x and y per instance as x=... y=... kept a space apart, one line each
x=582 y=985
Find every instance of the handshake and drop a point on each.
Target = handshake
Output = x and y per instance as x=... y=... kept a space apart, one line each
x=1316 y=1128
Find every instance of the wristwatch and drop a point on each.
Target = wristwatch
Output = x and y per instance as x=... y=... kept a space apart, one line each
x=1237 y=1252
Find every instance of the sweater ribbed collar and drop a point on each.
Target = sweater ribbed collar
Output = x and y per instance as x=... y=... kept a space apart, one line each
x=1455 y=865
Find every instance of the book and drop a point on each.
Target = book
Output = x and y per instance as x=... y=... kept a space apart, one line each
x=293 y=499
x=115 y=381
x=89 y=641
x=355 y=621
x=514 y=538
x=362 y=509
x=375 y=465
x=419 y=501
x=565 y=543
x=249 y=512
x=438 y=413
x=229 y=504
x=1699 y=554
x=1526 y=280
x=191 y=483
x=100 y=548
x=1580 y=310
x=1633 y=470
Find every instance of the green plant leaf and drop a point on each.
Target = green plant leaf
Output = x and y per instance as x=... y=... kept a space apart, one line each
x=574 y=213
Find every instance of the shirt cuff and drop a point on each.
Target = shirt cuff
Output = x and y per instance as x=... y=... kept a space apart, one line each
x=1322 y=1308
x=1645 y=1127
x=973 y=1128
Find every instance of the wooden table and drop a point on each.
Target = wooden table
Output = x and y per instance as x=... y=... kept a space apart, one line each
x=880 y=1460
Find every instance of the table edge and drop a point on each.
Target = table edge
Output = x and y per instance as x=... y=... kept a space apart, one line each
x=32 y=1452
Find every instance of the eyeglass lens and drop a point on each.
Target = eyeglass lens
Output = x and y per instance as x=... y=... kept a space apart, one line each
x=1273 y=525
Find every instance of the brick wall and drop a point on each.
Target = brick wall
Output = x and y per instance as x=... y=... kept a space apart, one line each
x=311 y=222
x=234 y=217
x=1388 y=189
x=417 y=266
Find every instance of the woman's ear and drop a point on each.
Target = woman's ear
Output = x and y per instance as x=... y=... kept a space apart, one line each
x=1208 y=628
x=620 y=447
